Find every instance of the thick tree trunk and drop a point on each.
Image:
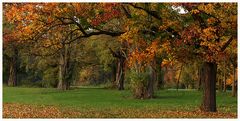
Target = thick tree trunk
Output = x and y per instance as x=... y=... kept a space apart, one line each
x=63 y=82
x=209 y=87
x=234 y=84
x=12 y=80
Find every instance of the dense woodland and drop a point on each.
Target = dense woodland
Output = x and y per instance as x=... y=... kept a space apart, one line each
x=142 y=47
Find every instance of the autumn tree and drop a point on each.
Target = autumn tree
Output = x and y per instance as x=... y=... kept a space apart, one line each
x=207 y=37
x=11 y=47
x=11 y=52
x=40 y=23
x=144 y=46
x=203 y=32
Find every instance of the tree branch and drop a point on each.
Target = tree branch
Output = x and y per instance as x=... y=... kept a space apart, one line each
x=226 y=44
x=126 y=12
x=152 y=13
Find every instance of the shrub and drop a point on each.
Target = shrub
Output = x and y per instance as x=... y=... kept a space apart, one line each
x=138 y=83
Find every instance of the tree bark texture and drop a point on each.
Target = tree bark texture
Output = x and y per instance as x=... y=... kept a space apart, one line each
x=12 y=80
x=120 y=73
x=179 y=77
x=209 y=87
x=153 y=78
x=159 y=73
x=63 y=82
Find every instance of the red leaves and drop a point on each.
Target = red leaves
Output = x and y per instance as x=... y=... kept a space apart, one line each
x=104 y=17
x=105 y=12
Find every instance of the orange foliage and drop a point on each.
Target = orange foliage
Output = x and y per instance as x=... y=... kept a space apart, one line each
x=143 y=58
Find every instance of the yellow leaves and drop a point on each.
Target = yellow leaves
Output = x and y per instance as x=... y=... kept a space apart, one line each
x=209 y=33
x=167 y=62
x=209 y=30
x=163 y=27
x=144 y=57
x=141 y=13
x=47 y=43
x=208 y=8
x=165 y=47
x=130 y=36
x=195 y=11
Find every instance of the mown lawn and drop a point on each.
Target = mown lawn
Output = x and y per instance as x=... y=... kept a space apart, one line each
x=98 y=102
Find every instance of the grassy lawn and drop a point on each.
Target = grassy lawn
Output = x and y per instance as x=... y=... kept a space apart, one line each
x=112 y=102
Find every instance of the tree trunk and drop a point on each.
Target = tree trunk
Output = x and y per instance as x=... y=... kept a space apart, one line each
x=209 y=87
x=150 y=90
x=200 y=79
x=61 y=73
x=114 y=74
x=220 y=87
x=234 y=84
x=224 y=77
x=179 y=77
x=153 y=74
x=121 y=74
x=67 y=68
x=12 y=80
x=63 y=82
x=159 y=73
x=118 y=73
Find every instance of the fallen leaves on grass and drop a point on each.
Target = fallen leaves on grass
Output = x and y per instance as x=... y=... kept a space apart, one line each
x=13 y=110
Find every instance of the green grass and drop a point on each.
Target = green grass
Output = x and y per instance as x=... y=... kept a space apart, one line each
x=104 y=99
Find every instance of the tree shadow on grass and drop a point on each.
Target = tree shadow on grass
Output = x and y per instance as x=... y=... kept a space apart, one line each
x=155 y=97
x=165 y=97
